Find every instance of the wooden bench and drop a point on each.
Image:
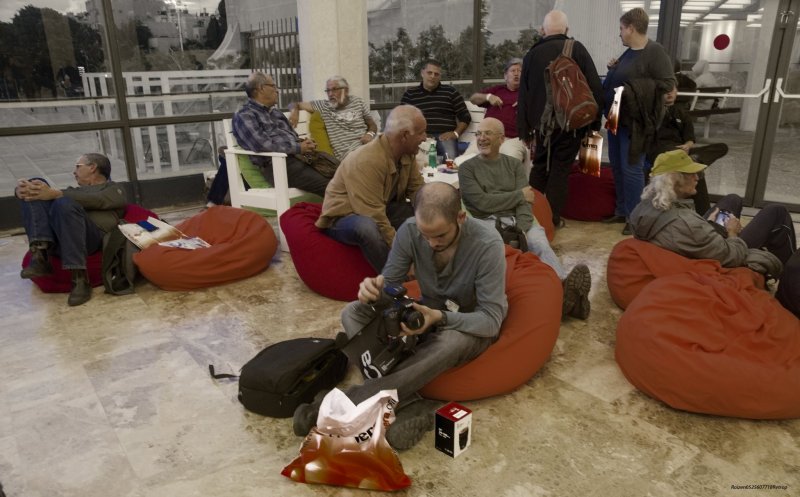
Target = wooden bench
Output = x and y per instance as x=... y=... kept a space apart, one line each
x=717 y=105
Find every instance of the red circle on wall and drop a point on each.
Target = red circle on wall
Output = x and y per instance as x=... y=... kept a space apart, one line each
x=721 y=42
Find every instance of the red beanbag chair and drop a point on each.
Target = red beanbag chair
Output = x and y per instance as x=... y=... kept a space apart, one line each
x=527 y=336
x=61 y=279
x=633 y=264
x=330 y=268
x=544 y=214
x=590 y=198
x=242 y=245
x=712 y=343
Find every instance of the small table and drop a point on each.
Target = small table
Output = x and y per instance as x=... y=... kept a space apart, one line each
x=449 y=178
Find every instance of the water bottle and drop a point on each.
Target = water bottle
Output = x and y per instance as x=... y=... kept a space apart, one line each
x=432 y=155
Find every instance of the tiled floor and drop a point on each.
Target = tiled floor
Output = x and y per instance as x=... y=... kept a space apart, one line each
x=113 y=398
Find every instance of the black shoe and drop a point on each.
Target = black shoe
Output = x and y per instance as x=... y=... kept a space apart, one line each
x=39 y=265
x=411 y=423
x=577 y=285
x=81 y=289
x=627 y=230
x=560 y=223
x=305 y=415
x=582 y=308
x=614 y=219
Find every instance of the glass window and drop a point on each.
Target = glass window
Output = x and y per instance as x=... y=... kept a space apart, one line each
x=25 y=157
x=49 y=60
x=176 y=149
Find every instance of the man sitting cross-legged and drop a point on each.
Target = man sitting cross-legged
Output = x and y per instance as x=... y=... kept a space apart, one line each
x=493 y=186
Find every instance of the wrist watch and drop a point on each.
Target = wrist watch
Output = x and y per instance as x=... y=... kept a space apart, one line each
x=488 y=96
x=442 y=322
x=371 y=133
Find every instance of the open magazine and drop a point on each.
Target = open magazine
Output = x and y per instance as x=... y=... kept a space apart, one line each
x=146 y=233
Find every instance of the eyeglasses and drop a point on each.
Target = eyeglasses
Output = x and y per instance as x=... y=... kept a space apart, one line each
x=485 y=133
x=270 y=84
x=337 y=88
x=79 y=165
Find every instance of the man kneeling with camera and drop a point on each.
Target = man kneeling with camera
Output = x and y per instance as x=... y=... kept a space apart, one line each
x=402 y=344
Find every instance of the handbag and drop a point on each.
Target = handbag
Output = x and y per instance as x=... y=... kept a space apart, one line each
x=322 y=162
x=591 y=154
x=512 y=235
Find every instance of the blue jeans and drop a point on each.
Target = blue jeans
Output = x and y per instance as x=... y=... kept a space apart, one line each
x=441 y=350
x=537 y=243
x=628 y=176
x=64 y=223
x=363 y=232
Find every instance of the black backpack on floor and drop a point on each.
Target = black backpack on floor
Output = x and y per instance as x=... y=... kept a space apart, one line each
x=287 y=374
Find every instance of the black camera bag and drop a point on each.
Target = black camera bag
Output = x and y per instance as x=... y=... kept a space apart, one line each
x=512 y=235
x=287 y=374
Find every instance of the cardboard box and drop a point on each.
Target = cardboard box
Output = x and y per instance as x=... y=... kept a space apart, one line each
x=453 y=429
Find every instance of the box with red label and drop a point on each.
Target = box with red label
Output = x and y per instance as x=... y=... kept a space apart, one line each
x=453 y=429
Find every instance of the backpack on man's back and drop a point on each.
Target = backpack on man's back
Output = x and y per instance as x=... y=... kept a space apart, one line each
x=570 y=101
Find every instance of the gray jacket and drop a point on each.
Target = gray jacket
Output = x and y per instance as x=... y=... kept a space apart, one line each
x=681 y=230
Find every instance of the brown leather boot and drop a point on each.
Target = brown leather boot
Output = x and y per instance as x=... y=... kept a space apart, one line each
x=39 y=265
x=81 y=289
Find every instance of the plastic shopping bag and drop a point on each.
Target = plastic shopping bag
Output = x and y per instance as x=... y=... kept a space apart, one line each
x=348 y=446
x=591 y=154
x=612 y=120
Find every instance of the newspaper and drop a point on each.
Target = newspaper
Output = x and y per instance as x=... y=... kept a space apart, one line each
x=154 y=231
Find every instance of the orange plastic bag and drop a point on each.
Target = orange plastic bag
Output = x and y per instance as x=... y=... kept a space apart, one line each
x=591 y=154
x=612 y=119
x=348 y=446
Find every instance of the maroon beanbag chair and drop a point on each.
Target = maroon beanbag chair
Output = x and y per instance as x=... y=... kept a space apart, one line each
x=633 y=264
x=61 y=279
x=713 y=343
x=328 y=267
x=590 y=198
x=527 y=336
x=242 y=245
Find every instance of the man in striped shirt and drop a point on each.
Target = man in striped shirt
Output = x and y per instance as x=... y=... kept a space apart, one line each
x=346 y=117
x=443 y=107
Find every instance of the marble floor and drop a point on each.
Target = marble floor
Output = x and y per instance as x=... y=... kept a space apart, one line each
x=113 y=398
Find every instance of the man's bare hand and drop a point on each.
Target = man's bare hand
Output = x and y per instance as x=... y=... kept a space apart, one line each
x=369 y=290
x=432 y=316
x=527 y=192
x=366 y=138
x=307 y=145
x=495 y=100
x=36 y=190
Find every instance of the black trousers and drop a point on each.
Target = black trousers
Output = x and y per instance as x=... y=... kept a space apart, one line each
x=551 y=177
x=705 y=154
x=301 y=176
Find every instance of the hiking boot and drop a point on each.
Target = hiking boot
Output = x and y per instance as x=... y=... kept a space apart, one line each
x=305 y=415
x=581 y=309
x=411 y=423
x=81 y=289
x=39 y=265
x=576 y=288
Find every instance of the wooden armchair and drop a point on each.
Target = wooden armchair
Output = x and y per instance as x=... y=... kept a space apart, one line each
x=260 y=194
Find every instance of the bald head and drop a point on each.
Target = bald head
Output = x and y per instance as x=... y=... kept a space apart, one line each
x=492 y=124
x=437 y=200
x=555 y=23
x=403 y=118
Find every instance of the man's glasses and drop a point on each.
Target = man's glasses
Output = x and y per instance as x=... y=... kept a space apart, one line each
x=337 y=88
x=270 y=84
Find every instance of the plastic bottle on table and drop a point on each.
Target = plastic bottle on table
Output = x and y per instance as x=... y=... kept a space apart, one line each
x=432 y=155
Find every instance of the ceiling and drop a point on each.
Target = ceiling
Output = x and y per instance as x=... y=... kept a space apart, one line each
x=705 y=11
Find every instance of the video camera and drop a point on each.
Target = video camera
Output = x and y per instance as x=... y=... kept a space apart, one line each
x=379 y=344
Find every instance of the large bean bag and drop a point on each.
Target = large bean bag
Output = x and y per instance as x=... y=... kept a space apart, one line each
x=527 y=336
x=632 y=264
x=61 y=279
x=590 y=198
x=712 y=343
x=242 y=245
x=544 y=214
x=330 y=268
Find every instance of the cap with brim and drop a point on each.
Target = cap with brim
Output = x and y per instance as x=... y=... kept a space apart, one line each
x=675 y=161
